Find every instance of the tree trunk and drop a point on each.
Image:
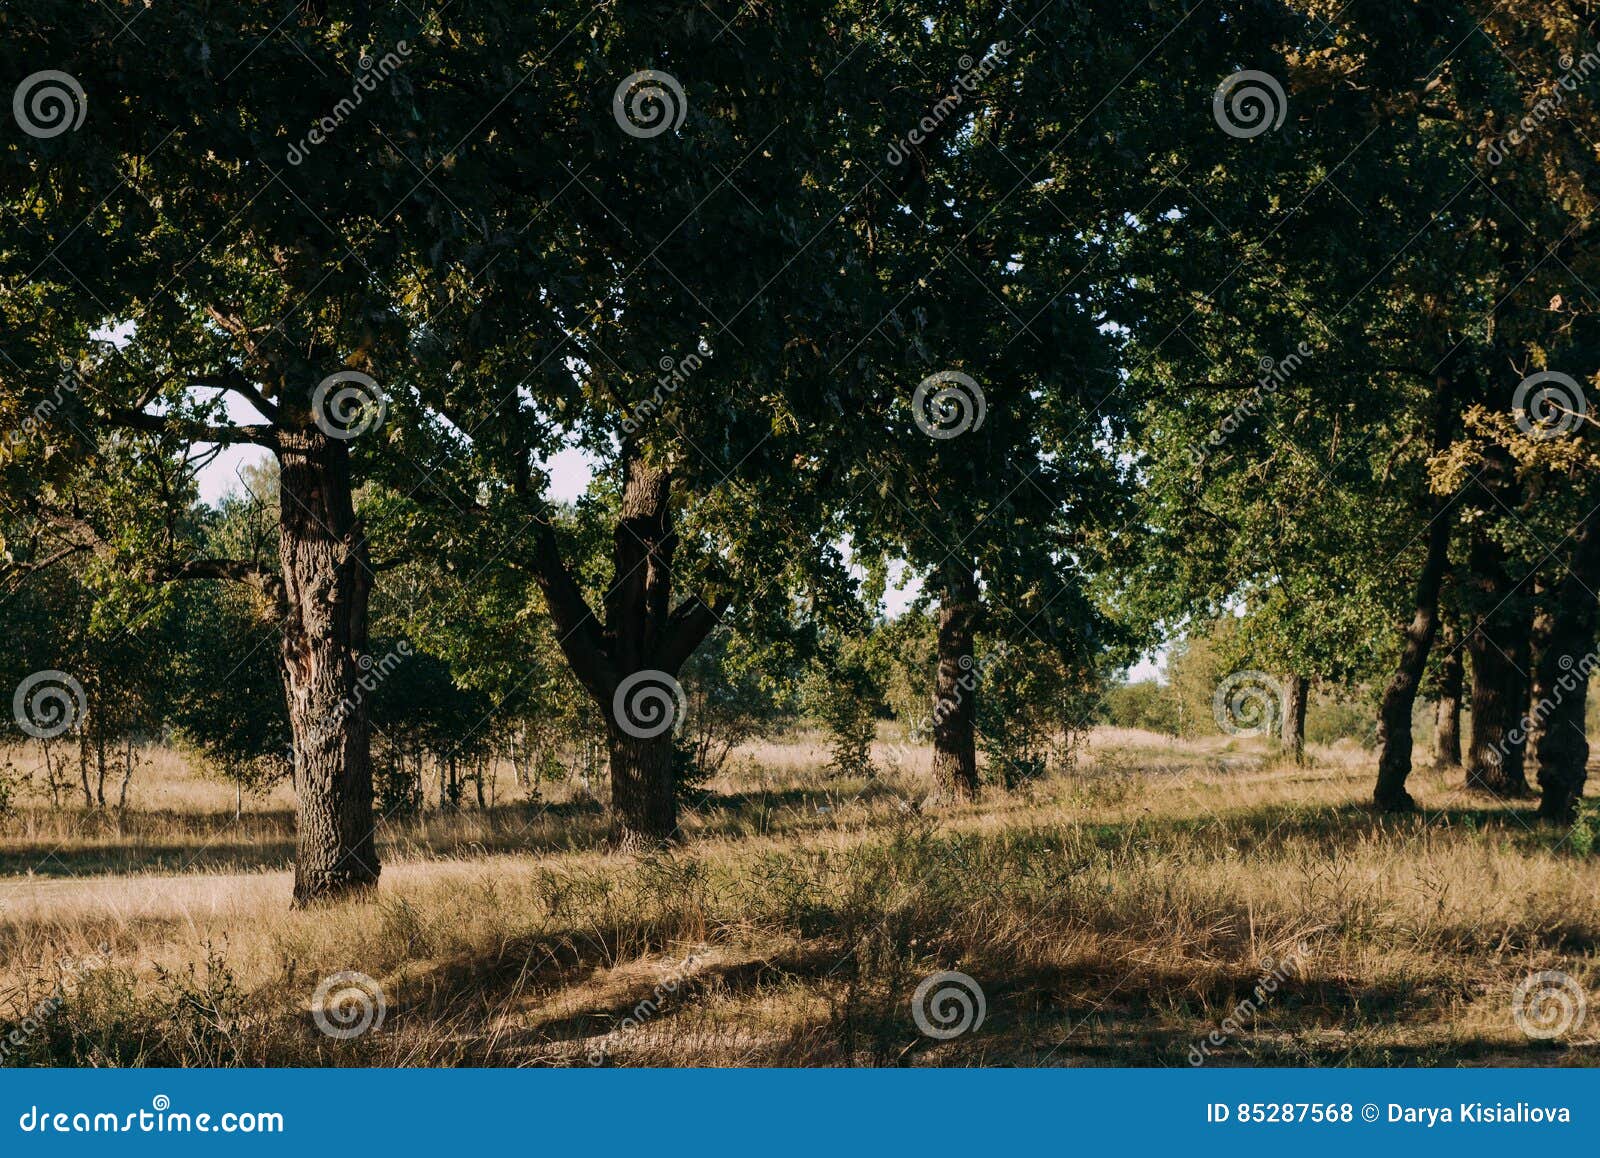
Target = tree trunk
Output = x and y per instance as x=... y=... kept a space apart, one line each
x=629 y=665
x=83 y=767
x=1447 y=712
x=955 y=750
x=644 y=806
x=1296 y=694
x=327 y=579
x=1499 y=645
x=1563 y=669
x=127 y=775
x=1400 y=697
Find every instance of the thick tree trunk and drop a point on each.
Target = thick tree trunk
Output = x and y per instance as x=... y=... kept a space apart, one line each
x=1447 y=710
x=327 y=580
x=1400 y=697
x=955 y=697
x=630 y=664
x=1292 y=732
x=1562 y=673
x=1499 y=646
x=644 y=806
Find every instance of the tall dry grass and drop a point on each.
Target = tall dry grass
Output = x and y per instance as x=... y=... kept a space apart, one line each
x=1116 y=914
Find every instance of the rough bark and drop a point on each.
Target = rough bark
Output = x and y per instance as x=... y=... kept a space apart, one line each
x=1563 y=668
x=1400 y=697
x=955 y=748
x=630 y=664
x=1292 y=730
x=1447 y=712
x=1499 y=646
x=327 y=579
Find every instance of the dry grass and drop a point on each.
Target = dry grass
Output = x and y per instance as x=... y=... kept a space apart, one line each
x=1115 y=915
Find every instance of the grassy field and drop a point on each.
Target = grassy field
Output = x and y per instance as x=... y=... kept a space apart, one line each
x=1160 y=896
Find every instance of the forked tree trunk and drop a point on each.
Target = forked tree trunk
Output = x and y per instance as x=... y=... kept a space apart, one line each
x=1400 y=697
x=630 y=664
x=955 y=734
x=1447 y=712
x=327 y=579
x=1563 y=670
x=1499 y=645
x=1292 y=732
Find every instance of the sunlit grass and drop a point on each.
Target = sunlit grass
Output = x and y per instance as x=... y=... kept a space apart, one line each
x=1114 y=914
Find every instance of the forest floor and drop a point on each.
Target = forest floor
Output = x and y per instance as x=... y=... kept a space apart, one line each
x=1165 y=903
